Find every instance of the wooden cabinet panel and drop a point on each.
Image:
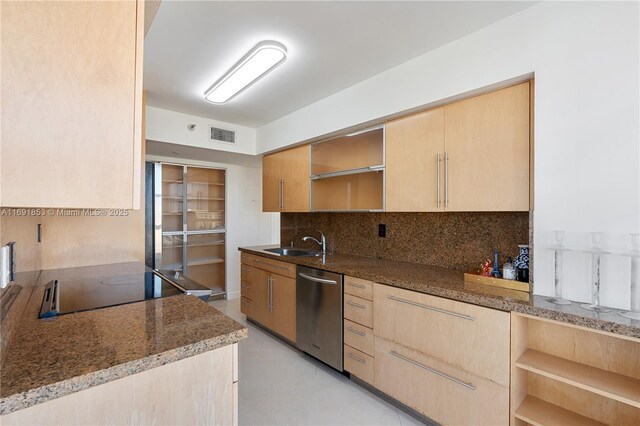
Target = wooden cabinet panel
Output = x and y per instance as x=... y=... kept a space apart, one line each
x=72 y=104
x=465 y=336
x=283 y=310
x=358 y=310
x=439 y=390
x=414 y=145
x=358 y=287
x=269 y=293
x=359 y=364
x=285 y=181
x=271 y=177
x=487 y=143
x=358 y=336
x=357 y=151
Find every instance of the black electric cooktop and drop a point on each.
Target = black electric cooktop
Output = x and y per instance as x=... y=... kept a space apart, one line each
x=76 y=294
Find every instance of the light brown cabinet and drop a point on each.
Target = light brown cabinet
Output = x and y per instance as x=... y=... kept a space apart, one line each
x=471 y=155
x=415 y=149
x=72 y=104
x=448 y=360
x=285 y=181
x=268 y=290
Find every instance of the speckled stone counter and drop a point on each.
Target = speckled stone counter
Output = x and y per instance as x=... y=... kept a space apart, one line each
x=47 y=359
x=450 y=283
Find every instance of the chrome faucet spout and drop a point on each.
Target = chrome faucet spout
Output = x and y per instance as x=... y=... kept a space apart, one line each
x=322 y=242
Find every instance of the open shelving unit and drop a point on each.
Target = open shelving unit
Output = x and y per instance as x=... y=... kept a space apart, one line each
x=192 y=214
x=563 y=374
x=347 y=172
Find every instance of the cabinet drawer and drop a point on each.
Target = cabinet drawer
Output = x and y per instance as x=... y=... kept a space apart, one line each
x=466 y=336
x=247 y=306
x=358 y=337
x=438 y=390
x=246 y=272
x=358 y=287
x=358 y=310
x=359 y=364
x=270 y=265
x=248 y=290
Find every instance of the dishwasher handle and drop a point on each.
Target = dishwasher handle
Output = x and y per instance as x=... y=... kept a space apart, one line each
x=316 y=279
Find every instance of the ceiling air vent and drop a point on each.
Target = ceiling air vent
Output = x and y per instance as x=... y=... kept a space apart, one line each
x=222 y=135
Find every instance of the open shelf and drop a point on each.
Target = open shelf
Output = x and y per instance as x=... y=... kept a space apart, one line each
x=204 y=261
x=540 y=413
x=611 y=385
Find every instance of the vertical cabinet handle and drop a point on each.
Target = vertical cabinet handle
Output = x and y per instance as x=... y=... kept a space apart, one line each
x=438 y=177
x=282 y=194
x=269 y=292
x=446 y=179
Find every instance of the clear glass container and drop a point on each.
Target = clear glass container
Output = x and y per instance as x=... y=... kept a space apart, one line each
x=558 y=249
x=596 y=257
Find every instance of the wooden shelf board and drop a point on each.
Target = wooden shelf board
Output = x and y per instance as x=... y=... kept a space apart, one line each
x=205 y=211
x=611 y=385
x=204 y=199
x=171 y=214
x=206 y=183
x=171 y=181
x=541 y=413
x=204 y=261
x=217 y=243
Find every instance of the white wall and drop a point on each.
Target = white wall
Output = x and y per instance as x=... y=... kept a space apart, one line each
x=585 y=57
x=170 y=126
x=247 y=225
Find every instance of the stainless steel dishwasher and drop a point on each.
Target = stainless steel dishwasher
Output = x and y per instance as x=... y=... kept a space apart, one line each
x=319 y=313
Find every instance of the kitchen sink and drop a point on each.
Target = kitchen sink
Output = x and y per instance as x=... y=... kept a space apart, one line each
x=293 y=252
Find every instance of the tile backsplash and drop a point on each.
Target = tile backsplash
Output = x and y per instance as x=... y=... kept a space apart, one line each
x=454 y=240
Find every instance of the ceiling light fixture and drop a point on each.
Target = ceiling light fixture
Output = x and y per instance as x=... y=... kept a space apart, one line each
x=260 y=60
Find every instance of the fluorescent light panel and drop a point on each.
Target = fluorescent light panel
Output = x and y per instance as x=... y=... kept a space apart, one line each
x=260 y=60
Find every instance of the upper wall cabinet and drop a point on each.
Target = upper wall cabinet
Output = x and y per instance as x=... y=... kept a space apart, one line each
x=72 y=104
x=285 y=181
x=471 y=155
x=347 y=173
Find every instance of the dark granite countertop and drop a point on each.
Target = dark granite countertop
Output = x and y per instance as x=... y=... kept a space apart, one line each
x=47 y=359
x=450 y=283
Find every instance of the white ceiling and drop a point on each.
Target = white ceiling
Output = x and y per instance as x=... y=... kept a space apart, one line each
x=332 y=45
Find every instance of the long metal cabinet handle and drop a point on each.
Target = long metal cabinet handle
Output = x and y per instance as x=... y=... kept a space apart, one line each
x=357 y=285
x=272 y=265
x=438 y=177
x=446 y=179
x=432 y=370
x=432 y=308
x=269 y=293
x=279 y=194
x=357 y=305
x=282 y=194
x=316 y=279
x=358 y=332
x=360 y=360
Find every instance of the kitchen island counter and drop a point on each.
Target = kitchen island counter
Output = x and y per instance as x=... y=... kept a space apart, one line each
x=48 y=359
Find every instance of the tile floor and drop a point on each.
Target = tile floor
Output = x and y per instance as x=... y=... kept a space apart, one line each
x=280 y=385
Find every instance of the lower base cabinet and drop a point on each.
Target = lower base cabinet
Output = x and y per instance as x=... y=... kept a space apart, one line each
x=436 y=389
x=199 y=390
x=268 y=289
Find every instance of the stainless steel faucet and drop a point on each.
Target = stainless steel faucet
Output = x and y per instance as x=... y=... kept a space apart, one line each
x=322 y=241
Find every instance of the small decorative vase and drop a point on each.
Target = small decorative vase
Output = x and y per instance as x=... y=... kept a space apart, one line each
x=521 y=263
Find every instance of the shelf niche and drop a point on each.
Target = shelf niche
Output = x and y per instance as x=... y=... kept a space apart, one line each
x=565 y=374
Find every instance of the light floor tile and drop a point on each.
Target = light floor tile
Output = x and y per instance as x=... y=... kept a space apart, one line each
x=279 y=385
